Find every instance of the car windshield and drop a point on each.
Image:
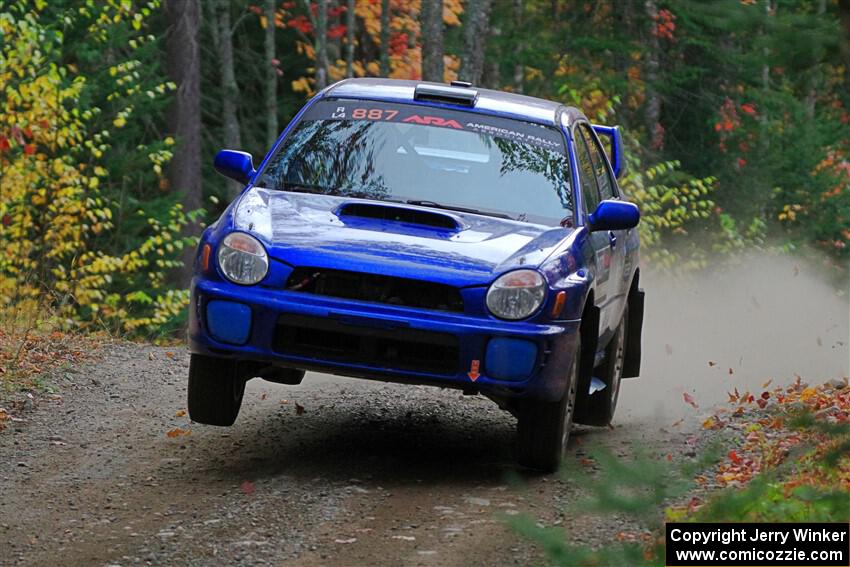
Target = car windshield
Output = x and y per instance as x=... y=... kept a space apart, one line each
x=426 y=156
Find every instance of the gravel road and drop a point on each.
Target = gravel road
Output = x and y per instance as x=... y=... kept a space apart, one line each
x=332 y=472
x=352 y=472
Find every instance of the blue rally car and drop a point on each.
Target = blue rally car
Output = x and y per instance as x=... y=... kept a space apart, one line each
x=426 y=233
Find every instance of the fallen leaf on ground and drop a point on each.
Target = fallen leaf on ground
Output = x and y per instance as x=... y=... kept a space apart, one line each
x=711 y=363
x=299 y=409
x=177 y=432
x=169 y=354
x=669 y=349
x=247 y=487
x=689 y=399
x=180 y=413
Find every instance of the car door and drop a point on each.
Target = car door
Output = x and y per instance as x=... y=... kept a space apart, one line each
x=599 y=240
x=618 y=286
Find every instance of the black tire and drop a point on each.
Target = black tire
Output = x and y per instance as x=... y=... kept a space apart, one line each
x=215 y=390
x=543 y=428
x=602 y=404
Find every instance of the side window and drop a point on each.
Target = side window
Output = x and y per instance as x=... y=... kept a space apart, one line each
x=586 y=173
x=600 y=168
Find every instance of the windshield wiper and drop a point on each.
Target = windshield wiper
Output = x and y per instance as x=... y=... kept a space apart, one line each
x=297 y=187
x=435 y=205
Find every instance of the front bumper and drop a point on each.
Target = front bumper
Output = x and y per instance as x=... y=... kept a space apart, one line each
x=379 y=341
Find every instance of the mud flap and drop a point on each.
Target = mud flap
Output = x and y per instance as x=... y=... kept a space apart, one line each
x=589 y=342
x=631 y=363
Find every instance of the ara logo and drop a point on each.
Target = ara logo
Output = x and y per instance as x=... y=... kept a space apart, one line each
x=433 y=121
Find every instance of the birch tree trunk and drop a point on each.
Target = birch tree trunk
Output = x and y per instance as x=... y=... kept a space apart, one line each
x=476 y=29
x=184 y=68
x=653 y=99
x=385 y=38
x=322 y=43
x=349 y=36
x=432 y=40
x=223 y=37
x=271 y=76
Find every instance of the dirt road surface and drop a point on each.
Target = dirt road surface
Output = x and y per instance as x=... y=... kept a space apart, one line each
x=110 y=471
x=335 y=471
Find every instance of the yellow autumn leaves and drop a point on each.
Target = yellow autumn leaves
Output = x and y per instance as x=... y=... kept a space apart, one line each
x=54 y=216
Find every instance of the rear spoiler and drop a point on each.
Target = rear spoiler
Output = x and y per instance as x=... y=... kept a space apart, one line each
x=616 y=153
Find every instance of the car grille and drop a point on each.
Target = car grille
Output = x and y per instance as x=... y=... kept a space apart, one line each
x=356 y=341
x=376 y=288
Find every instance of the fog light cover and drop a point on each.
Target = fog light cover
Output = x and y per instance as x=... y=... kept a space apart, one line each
x=510 y=359
x=229 y=322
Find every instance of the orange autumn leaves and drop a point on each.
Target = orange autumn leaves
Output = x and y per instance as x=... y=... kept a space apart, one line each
x=766 y=437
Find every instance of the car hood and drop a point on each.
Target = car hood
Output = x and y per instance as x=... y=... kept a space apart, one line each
x=312 y=230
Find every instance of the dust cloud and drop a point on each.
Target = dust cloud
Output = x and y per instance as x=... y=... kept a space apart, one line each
x=766 y=318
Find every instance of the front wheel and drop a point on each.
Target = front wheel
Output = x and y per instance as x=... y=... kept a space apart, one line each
x=215 y=390
x=543 y=428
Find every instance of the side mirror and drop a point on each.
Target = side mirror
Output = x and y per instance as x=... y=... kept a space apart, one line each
x=235 y=165
x=616 y=151
x=614 y=215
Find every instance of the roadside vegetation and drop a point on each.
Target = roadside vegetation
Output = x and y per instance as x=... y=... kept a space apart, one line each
x=779 y=455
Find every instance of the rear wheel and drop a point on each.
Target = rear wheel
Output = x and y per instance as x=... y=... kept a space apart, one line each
x=602 y=403
x=544 y=427
x=215 y=390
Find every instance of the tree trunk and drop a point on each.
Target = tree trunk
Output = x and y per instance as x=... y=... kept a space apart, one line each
x=519 y=46
x=322 y=43
x=432 y=40
x=654 y=130
x=385 y=38
x=271 y=77
x=476 y=29
x=223 y=35
x=349 y=35
x=184 y=68
x=624 y=22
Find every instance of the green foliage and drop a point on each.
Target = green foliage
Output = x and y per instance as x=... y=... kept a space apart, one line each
x=807 y=486
x=670 y=201
x=68 y=165
x=638 y=489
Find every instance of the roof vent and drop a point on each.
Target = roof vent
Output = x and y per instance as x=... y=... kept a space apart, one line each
x=443 y=93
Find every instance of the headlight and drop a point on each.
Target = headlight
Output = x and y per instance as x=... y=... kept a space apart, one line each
x=242 y=259
x=517 y=294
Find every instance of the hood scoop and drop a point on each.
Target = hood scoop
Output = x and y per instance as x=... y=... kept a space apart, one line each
x=400 y=214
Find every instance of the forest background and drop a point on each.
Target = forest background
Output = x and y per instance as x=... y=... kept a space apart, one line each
x=735 y=114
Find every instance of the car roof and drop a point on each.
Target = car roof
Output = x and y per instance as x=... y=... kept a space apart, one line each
x=490 y=101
